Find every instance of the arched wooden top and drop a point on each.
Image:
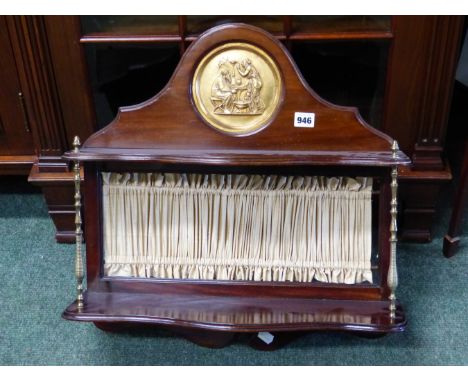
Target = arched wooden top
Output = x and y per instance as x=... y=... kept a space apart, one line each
x=168 y=129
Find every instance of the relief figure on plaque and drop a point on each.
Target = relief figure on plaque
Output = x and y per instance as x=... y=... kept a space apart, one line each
x=237 y=88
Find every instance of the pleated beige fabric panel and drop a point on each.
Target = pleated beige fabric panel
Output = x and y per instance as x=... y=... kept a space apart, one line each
x=237 y=227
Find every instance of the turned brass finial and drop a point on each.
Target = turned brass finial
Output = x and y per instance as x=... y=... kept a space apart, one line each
x=395 y=148
x=76 y=143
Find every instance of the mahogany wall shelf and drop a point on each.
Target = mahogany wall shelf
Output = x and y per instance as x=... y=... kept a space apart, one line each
x=168 y=134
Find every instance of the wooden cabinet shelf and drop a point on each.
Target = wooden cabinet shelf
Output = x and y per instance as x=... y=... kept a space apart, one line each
x=96 y=38
x=156 y=29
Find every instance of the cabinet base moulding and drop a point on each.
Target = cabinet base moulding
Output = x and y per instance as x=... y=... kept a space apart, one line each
x=58 y=190
x=419 y=192
x=16 y=164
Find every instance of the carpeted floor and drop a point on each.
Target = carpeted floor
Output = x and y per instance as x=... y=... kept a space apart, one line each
x=37 y=283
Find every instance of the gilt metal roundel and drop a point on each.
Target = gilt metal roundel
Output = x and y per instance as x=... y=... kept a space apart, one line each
x=237 y=88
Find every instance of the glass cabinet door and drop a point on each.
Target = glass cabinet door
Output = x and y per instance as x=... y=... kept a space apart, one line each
x=343 y=58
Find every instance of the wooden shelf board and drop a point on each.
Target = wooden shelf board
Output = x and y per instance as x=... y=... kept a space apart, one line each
x=110 y=37
x=238 y=314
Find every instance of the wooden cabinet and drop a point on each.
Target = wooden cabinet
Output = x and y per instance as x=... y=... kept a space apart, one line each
x=397 y=70
x=51 y=72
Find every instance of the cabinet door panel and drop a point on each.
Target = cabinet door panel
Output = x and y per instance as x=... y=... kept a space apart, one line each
x=15 y=137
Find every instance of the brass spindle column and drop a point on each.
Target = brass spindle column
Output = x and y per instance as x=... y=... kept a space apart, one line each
x=392 y=278
x=79 y=271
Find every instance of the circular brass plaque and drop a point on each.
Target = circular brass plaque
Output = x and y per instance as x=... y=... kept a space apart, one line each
x=237 y=88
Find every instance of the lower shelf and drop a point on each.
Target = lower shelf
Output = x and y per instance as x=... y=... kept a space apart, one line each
x=238 y=314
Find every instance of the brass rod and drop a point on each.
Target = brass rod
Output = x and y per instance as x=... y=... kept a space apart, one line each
x=79 y=270
x=392 y=278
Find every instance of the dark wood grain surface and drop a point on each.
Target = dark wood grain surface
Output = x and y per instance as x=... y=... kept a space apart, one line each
x=241 y=314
